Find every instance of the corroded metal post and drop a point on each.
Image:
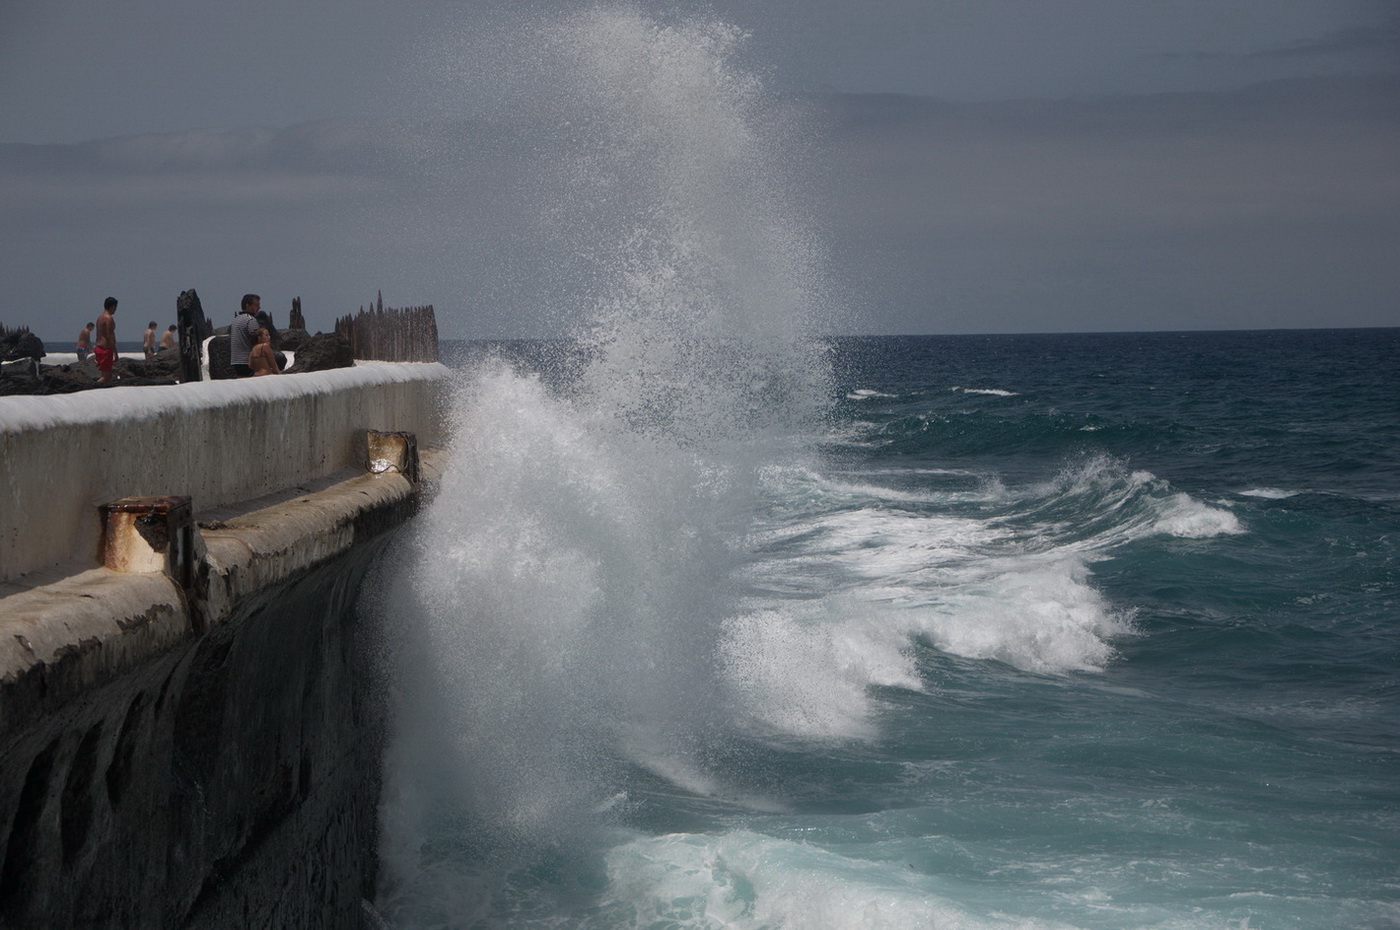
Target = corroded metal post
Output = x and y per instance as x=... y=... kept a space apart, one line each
x=392 y=453
x=147 y=534
x=156 y=534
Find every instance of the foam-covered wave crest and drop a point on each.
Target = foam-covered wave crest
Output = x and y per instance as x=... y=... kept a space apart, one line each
x=850 y=577
x=843 y=589
x=1101 y=503
x=747 y=880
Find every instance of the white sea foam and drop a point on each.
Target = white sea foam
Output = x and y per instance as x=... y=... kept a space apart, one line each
x=1188 y=518
x=746 y=880
x=989 y=392
x=1271 y=494
x=806 y=672
x=865 y=394
x=1037 y=613
x=889 y=573
x=873 y=576
x=1123 y=505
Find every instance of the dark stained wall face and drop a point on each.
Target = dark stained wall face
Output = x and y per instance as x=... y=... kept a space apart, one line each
x=230 y=782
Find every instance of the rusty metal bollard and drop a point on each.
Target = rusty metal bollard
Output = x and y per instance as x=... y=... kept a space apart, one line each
x=150 y=534
x=392 y=452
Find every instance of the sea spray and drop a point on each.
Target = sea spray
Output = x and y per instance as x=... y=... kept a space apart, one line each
x=565 y=604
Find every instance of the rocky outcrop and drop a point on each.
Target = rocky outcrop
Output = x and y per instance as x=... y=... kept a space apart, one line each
x=291 y=340
x=20 y=343
x=218 y=357
x=28 y=377
x=322 y=352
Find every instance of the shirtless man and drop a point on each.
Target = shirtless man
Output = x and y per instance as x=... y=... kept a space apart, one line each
x=260 y=357
x=84 y=342
x=168 y=340
x=106 y=350
x=148 y=342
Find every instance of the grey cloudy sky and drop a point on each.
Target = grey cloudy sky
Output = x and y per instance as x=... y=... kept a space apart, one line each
x=975 y=165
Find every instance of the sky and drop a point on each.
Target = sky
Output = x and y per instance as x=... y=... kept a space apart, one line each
x=967 y=165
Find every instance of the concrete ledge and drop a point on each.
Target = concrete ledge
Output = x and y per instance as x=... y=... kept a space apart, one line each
x=60 y=640
x=216 y=442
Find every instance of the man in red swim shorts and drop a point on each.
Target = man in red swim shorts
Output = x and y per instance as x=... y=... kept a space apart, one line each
x=106 y=348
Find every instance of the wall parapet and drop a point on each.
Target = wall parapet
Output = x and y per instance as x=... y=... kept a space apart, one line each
x=62 y=457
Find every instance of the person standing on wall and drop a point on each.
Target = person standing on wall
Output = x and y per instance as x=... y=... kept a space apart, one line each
x=148 y=342
x=84 y=346
x=106 y=350
x=240 y=336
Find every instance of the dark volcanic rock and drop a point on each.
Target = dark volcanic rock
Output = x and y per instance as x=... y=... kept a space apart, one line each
x=323 y=352
x=291 y=340
x=218 y=358
x=11 y=386
x=27 y=345
x=130 y=371
x=130 y=367
x=18 y=378
x=52 y=379
x=83 y=375
x=23 y=368
x=265 y=321
x=52 y=383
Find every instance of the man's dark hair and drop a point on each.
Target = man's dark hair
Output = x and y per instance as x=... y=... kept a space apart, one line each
x=109 y=304
x=151 y=325
x=248 y=300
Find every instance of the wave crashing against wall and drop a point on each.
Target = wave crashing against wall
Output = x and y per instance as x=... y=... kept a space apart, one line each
x=573 y=581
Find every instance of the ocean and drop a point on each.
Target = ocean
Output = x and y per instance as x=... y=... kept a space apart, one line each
x=1030 y=631
x=715 y=621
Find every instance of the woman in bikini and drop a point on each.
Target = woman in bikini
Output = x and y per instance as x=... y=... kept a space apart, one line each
x=260 y=357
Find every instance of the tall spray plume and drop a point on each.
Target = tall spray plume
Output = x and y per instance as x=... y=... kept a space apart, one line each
x=560 y=622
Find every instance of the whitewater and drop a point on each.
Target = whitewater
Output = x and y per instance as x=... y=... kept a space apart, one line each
x=716 y=620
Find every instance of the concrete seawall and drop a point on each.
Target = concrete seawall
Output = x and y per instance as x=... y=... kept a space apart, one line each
x=200 y=749
x=218 y=442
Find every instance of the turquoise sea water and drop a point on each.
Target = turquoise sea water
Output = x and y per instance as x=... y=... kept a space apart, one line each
x=1022 y=631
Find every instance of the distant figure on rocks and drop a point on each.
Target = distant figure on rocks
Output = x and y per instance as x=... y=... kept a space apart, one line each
x=84 y=342
x=168 y=340
x=148 y=342
x=261 y=357
x=106 y=350
x=240 y=335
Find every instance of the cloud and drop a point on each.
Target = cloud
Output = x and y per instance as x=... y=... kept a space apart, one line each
x=1272 y=206
x=1381 y=41
x=1277 y=205
x=330 y=211
x=323 y=162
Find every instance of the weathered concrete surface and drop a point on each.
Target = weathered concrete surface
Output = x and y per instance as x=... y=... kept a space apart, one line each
x=217 y=442
x=201 y=758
